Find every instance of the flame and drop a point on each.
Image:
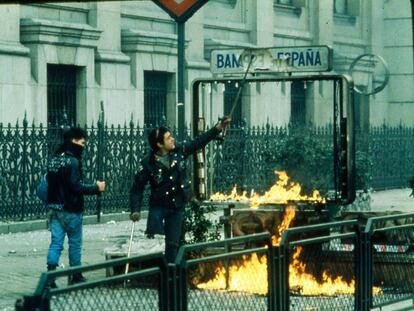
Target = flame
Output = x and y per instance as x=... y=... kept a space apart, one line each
x=306 y=284
x=238 y=280
x=301 y=282
x=281 y=192
x=240 y=276
x=290 y=213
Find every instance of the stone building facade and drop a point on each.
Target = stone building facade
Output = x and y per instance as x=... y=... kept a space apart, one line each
x=64 y=59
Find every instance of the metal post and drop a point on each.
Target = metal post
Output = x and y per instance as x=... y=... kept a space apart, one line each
x=180 y=79
x=101 y=151
x=24 y=166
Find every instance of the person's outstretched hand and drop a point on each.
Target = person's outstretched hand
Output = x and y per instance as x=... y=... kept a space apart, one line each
x=223 y=123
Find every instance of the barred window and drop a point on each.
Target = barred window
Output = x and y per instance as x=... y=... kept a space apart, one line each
x=155 y=97
x=61 y=95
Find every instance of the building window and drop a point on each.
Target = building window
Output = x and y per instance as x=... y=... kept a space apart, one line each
x=298 y=105
x=341 y=7
x=230 y=94
x=61 y=95
x=346 y=7
x=155 y=97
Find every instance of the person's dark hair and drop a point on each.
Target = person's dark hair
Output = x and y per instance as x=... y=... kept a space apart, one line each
x=157 y=136
x=74 y=133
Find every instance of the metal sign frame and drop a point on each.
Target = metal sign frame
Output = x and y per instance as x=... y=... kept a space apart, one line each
x=344 y=136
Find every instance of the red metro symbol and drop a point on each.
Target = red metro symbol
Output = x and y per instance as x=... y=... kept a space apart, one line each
x=180 y=10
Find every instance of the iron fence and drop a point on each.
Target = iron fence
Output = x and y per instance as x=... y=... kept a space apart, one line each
x=389 y=249
x=248 y=158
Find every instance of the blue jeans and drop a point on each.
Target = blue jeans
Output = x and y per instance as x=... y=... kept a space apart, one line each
x=70 y=224
x=166 y=221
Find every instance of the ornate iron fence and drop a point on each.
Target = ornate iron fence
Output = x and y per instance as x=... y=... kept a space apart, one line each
x=248 y=158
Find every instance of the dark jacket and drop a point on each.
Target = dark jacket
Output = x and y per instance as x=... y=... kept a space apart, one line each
x=170 y=186
x=64 y=177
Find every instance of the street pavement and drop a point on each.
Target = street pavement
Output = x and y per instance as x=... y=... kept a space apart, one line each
x=23 y=254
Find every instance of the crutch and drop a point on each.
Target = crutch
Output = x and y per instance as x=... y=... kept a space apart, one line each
x=129 y=247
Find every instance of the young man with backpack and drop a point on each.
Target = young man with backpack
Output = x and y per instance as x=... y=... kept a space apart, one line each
x=65 y=200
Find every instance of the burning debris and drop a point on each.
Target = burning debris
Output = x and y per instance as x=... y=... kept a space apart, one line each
x=281 y=192
x=239 y=275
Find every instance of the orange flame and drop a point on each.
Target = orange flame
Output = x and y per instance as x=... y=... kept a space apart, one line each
x=306 y=284
x=290 y=213
x=281 y=192
x=240 y=277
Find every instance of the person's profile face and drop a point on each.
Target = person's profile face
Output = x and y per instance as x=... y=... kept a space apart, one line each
x=169 y=142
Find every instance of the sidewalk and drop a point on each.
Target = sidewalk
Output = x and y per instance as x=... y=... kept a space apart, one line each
x=23 y=254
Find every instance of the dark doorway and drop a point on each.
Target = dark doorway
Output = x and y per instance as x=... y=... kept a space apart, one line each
x=61 y=95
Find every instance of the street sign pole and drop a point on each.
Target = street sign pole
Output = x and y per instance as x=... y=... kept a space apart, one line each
x=180 y=11
x=180 y=78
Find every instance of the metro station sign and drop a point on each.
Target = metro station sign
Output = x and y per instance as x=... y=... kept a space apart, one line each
x=180 y=10
x=283 y=59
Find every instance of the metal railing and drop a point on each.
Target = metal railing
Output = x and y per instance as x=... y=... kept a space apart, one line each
x=346 y=269
x=388 y=244
x=210 y=281
x=143 y=288
x=318 y=267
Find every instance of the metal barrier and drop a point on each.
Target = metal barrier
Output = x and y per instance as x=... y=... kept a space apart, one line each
x=317 y=267
x=238 y=275
x=144 y=288
x=389 y=246
x=331 y=266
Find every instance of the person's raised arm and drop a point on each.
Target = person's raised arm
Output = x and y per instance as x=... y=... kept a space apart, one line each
x=202 y=140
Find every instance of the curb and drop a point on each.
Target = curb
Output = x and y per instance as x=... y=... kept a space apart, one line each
x=33 y=225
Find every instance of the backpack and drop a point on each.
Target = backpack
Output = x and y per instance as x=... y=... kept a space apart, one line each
x=41 y=189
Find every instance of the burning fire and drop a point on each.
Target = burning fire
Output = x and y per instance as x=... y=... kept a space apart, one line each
x=240 y=277
x=281 y=192
x=306 y=284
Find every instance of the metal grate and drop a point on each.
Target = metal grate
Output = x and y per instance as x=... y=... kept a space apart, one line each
x=392 y=259
x=228 y=275
x=61 y=95
x=318 y=270
x=155 y=98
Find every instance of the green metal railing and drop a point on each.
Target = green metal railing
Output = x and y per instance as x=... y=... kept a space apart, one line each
x=388 y=244
x=143 y=288
x=312 y=260
x=374 y=264
x=195 y=265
